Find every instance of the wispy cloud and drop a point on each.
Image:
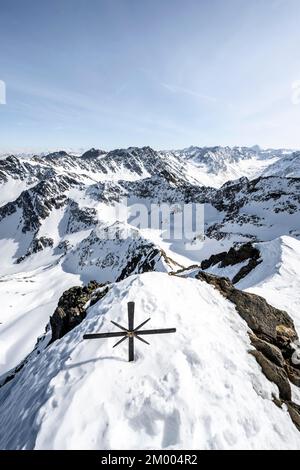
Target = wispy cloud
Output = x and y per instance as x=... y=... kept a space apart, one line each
x=187 y=91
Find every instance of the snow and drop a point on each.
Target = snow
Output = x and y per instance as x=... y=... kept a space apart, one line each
x=288 y=166
x=252 y=168
x=103 y=258
x=12 y=189
x=51 y=227
x=228 y=271
x=12 y=241
x=277 y=278
x=215 y=166
x=270 y=225
x=197 y=388
x=27 y=301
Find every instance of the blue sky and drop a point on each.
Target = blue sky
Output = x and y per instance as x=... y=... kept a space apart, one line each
x=168 y=73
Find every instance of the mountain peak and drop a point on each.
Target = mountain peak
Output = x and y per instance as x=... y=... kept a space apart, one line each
x=92 y=153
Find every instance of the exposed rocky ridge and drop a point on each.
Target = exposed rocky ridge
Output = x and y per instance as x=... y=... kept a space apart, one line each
x=269 y=323
x=274 y=338
x=73 y=303
x=136 y=161
x=235 y=256
x=80 y=218
x=243 y=207
x=114 y=253
x=288 y=166
x=242 y=204
x=273 y=335
x=217 y=158
x=257 y=204
x=36 y=203
x=37 y=244
x=236 y=200
x=71 y=308
x=146 y=162
x=62 y=161
x=92 y=153
x=16 y=168
x=234 y=195
x=237 y=203
x=146 y=260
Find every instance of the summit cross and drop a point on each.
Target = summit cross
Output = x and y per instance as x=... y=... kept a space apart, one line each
x=130 y=333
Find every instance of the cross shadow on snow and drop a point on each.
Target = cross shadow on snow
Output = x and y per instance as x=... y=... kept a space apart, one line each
x=96 y=359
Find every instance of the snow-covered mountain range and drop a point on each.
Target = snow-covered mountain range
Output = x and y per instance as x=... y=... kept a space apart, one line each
x=54 y=210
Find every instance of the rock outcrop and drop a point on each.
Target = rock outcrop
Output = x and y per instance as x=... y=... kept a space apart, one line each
x=71 y=309
x=38 y=244
x=235 y=256
x=273 y=336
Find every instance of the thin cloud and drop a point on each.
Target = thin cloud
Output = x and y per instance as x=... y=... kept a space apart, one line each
x=187 y=91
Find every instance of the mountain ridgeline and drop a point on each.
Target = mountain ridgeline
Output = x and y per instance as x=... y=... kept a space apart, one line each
x=69 y=265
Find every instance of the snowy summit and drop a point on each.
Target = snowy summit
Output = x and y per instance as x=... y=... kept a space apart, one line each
x=227 y=379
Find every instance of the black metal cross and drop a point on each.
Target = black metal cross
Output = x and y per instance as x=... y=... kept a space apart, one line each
x=130 y=332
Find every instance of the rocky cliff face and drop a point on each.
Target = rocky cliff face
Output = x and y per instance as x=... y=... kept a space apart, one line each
x=71 y=308
x=246 y=253
x=273 y=336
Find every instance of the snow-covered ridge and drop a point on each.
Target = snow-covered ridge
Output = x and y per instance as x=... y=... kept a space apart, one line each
x=216 y=165
x=277 y=278
x=207 y=166
x=53 y=211
x=198 y=388
x=288 y=166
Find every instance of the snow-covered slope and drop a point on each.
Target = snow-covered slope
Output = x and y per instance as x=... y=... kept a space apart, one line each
x=213 y=166
x=274 y=272
x=197 y=388
x=28 y=299
x=116 y=257
x=288 y=166
x=52 y=228
x=206 y=166
x=261 y=209
x=204 y=389
x=277 y=277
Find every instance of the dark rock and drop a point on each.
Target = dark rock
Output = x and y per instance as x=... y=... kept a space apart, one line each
x=38 y=244
x=80 y=218
x=58 y=154
x=235 y=256
x=243 y=253
x=274 y=339
x=37 y=202
x=270 y=351
x=97 y=295
x=63 y=247
x=213 y=260
x=277 y=401
x=71 y=309
x=293 y=374
x=285 y=334
x=245 y=270
x=294 y=411
x=274 y=374
x=145 y=261
x=92 y=153
x=267 y=322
